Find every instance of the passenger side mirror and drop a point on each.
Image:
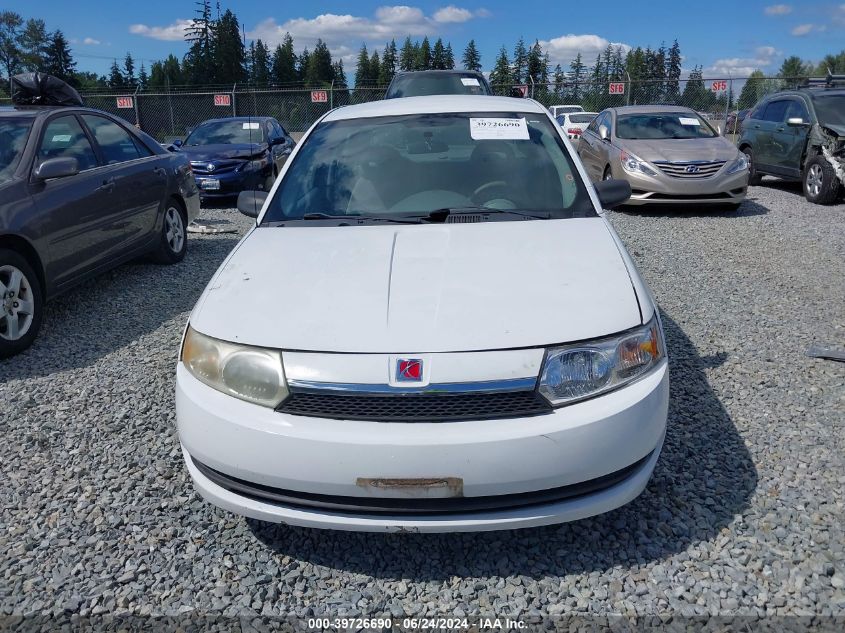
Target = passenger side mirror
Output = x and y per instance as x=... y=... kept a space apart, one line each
x=177 y=142
x=604 y=133
x=250 y=202
x=795 y=121
x=57 y=168
x=612 y=193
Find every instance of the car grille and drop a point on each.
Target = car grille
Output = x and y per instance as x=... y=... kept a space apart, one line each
x=220 y=167
x=692 y=169
x=415 y=407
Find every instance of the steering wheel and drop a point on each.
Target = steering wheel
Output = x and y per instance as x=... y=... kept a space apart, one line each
x=489 y=188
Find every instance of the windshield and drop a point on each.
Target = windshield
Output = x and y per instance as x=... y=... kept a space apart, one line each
x=830 y=109
x=235 y=131
x=13 y=135
x=663 y=125
x=587 y=117
x=420 y=85
x=416 y=164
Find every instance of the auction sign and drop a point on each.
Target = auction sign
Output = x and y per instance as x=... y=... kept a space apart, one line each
x=616 y=88
x=125 y=102
x=720 y=85
x=319 y=96
x=223 y=100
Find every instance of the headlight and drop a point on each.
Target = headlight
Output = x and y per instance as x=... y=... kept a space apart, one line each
x=253 y=374
x=583 y=370
x=634 y=164
x=740 y=164
x=255 y=165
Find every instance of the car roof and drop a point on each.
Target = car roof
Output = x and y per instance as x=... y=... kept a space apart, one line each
x=649 y=109
x=435 y=104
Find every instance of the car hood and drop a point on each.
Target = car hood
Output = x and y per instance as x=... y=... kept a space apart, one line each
x=717 y=148
x=222 y=151
x=839 y=130
x=421 y=288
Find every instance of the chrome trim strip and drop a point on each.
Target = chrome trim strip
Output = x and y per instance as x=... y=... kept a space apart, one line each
x=483 y=386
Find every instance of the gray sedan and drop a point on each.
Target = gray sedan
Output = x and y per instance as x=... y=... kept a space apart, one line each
x=669 y=155
x=80 y=192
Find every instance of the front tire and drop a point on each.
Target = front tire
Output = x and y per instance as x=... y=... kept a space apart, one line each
x=173 y=243
x=21 y=303
x=821 y=186
x=753 y=177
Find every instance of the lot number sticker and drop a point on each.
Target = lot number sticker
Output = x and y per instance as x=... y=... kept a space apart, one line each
x=251 y=125
x=502 y=129
x=688 y=121
x=470 y=81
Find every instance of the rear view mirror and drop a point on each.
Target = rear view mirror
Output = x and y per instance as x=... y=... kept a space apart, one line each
x=57 y=168
x=250 y=202
x=604 y=133
x=612 y=193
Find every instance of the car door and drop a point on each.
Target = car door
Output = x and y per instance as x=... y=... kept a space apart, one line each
x=279 y=143
x=79 y=215
x=789 y=141
x=140 y=177
x=766 y=152
x=590 y=148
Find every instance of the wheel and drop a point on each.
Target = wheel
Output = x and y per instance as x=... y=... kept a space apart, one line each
x=21 y=303
x=753 y=177
x=607 y=175
x=174 y=236
x=821 y=185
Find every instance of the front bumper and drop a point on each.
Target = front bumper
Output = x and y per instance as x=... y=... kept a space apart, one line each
x=233 y=182
x=663 y=189
x=619 y=432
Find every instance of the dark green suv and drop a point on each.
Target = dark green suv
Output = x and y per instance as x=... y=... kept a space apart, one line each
x=799 y=135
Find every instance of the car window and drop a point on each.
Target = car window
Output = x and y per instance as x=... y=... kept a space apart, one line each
x=830 y=108
x=416 y=164
x=143 y=150
x=776 y=111
x=581 y=118
x=797 y=109
x=115 y=142
x=13 y=135
x=64 y=138
x=594 y=126
x=757 y=113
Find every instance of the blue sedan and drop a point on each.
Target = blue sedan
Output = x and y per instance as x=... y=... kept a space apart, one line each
x=236 y=154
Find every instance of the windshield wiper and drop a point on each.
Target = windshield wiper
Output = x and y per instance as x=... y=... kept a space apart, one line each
x=352 y=218
x=440 y=215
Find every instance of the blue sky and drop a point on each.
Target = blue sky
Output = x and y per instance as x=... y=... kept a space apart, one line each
x=722 y=36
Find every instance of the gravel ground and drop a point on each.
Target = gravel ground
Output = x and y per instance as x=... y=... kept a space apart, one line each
x=743 y=515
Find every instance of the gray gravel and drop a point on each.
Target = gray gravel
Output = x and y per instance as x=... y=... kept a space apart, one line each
x=744 y=513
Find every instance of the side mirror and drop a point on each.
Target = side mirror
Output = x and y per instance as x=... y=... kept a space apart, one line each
x=612 y=193
x=250 y=202
x=795 y=121
x=177 y=142
x=604 y=133
x=57 y=168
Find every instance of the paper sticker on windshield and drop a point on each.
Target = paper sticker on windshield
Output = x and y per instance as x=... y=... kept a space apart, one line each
x=470 y=81
x=61 y=138
x=688 y=121
x=498 y=129
x=250 y=126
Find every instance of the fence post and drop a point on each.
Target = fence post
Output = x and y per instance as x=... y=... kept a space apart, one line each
x=234 y=110
x=728 y=94
x=137 y=113
x=331 y=96
x=630 y=88
x=532 y=85
x=170 y=105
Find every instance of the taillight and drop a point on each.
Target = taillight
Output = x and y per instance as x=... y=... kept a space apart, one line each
x=574 y=130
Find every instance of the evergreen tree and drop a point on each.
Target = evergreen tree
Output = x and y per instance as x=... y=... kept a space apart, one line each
x=58 y=60
x=33 y=42
x=261 y=64
x=116 y=79
x=388 y=64
x=793 y=72
x=284 y=62
x=695 y=95
x=302 y=65
x=407 y=59
x=535 y=69
x=577 y=73
x=129 y=71
x=319 y=72
x=229 y=51
x=375 y=68
x=673 y=73
x=520 y=62
x=472 y=58
x=438 y=55
x=339 y=75
x=199 y=62
x=165 y=74
x=559 y=82
x=143 y=78
x=450 y=57
x=501 y=78
x=424 y=55
x=755 y=89
x=362 y=72
x=10 y=54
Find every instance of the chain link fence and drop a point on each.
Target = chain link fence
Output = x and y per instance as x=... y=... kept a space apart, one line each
x=173 y=113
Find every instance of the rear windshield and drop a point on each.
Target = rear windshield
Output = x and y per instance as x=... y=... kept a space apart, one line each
x=830 y=109
x=13 y=135
x=582 y=118
x=420 y=85
x=226 y=132
x=415 y=164
x=663 y=125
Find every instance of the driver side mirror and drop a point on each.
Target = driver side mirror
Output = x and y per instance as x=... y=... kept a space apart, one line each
x=57 y=168
x=613 y=192
x=604 y=133
x=796 y=121
x=250 y=202
x=177 y=142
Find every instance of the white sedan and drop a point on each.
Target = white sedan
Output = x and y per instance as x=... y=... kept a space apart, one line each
x=431 y=327
x=574 y=124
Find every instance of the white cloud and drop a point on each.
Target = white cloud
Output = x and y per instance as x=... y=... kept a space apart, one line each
x=173 y=32
x=778 y=9
x=452 y=14
x=803 y=29
x=763 y=57
x=399 y=15
x=90 y=41
x=565 y=48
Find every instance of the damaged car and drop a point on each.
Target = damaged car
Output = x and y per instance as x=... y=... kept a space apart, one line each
x=799 y=135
